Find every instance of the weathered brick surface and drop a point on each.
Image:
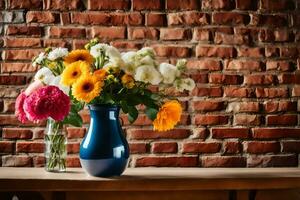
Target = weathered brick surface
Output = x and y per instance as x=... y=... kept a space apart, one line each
x=242 y=54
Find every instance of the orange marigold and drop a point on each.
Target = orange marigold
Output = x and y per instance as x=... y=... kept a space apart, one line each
x=100 y=74
x=168 y=116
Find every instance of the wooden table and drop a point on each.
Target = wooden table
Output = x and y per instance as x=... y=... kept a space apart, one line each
x=153 y=183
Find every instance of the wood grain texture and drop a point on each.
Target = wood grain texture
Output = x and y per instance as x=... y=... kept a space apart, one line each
x=151 y=179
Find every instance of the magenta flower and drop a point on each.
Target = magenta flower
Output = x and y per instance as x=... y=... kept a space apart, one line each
x=19 y=110
x=48 y=101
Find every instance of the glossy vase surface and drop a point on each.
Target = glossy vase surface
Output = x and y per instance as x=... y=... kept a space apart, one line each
x=104 y=151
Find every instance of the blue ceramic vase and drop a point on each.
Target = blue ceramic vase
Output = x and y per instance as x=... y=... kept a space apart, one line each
x=104 y=151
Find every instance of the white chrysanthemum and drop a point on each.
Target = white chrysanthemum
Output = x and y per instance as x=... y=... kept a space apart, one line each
x=45 y=75
x=57 y=53
x=185 y=84
x=62 y=87
x=129 y=60
x=96 y=49
x=146 y=51
x=147 y=60
x=148 y=74
x=39 y=59
x=169 y=72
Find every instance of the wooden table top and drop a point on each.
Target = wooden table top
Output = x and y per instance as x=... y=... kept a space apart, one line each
x=151 y=179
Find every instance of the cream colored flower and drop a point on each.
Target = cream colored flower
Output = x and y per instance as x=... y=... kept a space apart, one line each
x=148 y=74
x=57 y=53
x=169 y=72
x=185 y=84
x=39 y=59
x=45 y=75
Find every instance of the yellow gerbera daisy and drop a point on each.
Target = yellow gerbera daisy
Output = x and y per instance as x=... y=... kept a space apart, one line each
x=127 y=81
x=79 y=55
x=74 y=71
x=87 y=88
x=168 y=116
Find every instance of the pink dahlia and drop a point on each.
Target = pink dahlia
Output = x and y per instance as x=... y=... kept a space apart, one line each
x=19 y=110
x=48 y=101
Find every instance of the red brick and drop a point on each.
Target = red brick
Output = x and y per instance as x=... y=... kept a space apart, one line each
x=221 y=133
x=56 y=43
x=254 y=52
x=13 y=80
x=246 y=119
x=138 y=148
x=24 y=30
x=108 y=5
x=230 y=18
x=291 y=146
x=17 y=67
x=141 y=134
x=147 y=4
x=260 y=79
x=200 y=78
x=59 y=32
x=22 y=42
x=246 y=4
x=232 y=147
x=210 y=119
x=217 y=4
x=7 y=147
x=188 y=18
x=201 y=147
x=42 y=17
x=225 y=79
x=16 y=161
x=237 y=39
x=25 y=4
x=73 y=161
x=272 y=161
x=164 y=147
x=249 y=107
x=182 y=5
x=143 y=33
x=73 y=147
x=296 y=91
x=38 y=161
x=232 y=91
x=200 y=133
x=262 y=147
x=156 y=19
x=279 y=20
x=207 y=105
x=63 y=5
x=274 y=133
x=190 y=161
x=271 y=92
x=76 y=132
x=201 y=34
x=175 y=34
x=243 y=65
x=133 y=19
x=278 y=65
x=208 y=91
x=109 y=32
x=271 y=51
x=92 y=18
x=204 y=64
x=213 y=51
x=284 y=120
x=79 y=44
x=172 y=51
x=223 y=161
x=21 y=54
x=278 y=5
x=279 y=106
x=289 y=52
x=289 y=78
x=128 y=45
x=30 y=147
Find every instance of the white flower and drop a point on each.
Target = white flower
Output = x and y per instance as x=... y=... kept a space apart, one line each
x=148 y=74
x=56 y=82
x=57 y=53
x=96 y=49
x=45 y=75
x=39 y=59
x=129 y=62
x=146 y=51
x=147 y=60
x=169 y=72
x=185 y=84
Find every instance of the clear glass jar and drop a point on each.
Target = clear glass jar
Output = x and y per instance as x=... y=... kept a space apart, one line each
x=55 y=147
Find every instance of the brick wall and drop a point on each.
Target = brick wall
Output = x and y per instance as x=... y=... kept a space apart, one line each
x=243 y=54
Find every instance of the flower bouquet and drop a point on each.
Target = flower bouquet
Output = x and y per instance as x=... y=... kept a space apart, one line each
x=99 y=74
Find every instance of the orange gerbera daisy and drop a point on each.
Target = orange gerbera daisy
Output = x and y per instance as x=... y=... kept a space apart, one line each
x=128 y=81
x=79 y=55
x=168 y=116
x=100 y=74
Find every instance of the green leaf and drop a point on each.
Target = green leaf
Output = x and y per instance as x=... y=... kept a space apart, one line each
x=124 y=106
x=151 y=113
x=132 y=113
x=74 y=119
